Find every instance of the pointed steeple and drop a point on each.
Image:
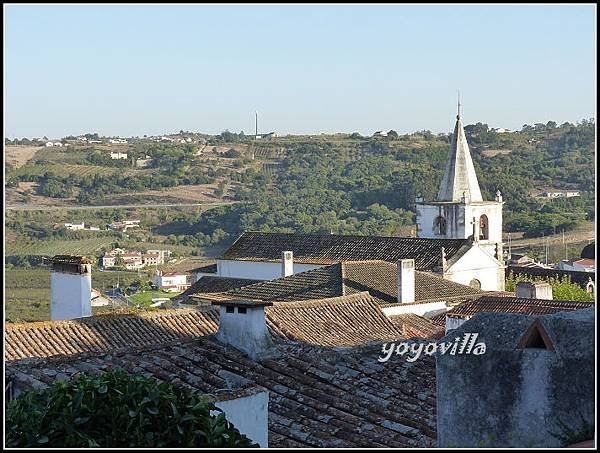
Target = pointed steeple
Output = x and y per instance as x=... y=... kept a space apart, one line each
x=459 y=177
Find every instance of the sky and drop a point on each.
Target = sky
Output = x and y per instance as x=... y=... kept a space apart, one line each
x=307 y=69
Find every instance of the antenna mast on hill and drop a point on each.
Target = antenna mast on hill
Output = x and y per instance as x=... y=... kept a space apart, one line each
x=458 y=114
x=256 y=124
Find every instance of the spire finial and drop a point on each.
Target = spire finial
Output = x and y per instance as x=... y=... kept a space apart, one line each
x=458 y=115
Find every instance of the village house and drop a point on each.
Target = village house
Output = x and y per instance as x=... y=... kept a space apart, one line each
x=124 y=225
x=577 y=264
x=131 y=259
x=75 y=226
x=118 y=155
x=171 y=281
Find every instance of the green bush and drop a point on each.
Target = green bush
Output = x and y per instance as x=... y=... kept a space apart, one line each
x=115 y=409
x=562 y=288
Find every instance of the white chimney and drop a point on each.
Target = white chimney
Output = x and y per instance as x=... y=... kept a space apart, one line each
x=287 y=263
x=70 y=287
x=406 y=281
x=242 y=325
x=537 y=290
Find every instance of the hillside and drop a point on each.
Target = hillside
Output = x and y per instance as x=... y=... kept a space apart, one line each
x=341 y=183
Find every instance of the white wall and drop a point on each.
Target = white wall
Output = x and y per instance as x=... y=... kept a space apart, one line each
x=478 y=264
x=453 y=322
x=245 y=331
x=71 y=296
x=458 y=219
x=257 y=270
x=250 y=415
x=426 y=310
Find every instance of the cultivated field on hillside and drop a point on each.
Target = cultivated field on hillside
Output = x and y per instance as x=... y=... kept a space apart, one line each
x=18 y=155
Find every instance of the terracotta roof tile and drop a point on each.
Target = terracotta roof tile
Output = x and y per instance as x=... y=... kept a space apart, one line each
x=516 y=305
x=318 y=397
x=329 y=249
x=379 y=278
x=339 y=321
x=412 y=326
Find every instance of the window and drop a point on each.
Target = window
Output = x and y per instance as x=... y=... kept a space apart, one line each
x=439 y=226
x=475 y=284
x=484 y=230
x=229 y=309
x=242 y=310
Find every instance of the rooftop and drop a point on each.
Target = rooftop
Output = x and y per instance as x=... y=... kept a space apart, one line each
x=503 y=304
x=318 y=397
x=379 y=278
x=330 y=249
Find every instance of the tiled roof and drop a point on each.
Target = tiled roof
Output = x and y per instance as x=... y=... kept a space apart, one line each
x=412 y=326
x=379 y=278
x=318 y=397
x=339 y=321
x=208 y=269
x=579 y=277
x=105 y=332
x=516 y=305
x=328 y=249
x=208 y=284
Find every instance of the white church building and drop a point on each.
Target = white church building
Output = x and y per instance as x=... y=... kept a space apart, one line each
x=459 y=236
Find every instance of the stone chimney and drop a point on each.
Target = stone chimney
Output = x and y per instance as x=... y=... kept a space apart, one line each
x=537 y=290
x=242 y=325
x=70 y=287
x=287 y=263
x=406 y=281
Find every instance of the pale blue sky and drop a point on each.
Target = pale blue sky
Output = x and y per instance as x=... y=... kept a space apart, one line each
x=134 y=70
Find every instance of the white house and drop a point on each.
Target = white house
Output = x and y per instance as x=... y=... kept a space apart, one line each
x=578 y=264
x=118 y=155
x=75 y=226
x=171 y=281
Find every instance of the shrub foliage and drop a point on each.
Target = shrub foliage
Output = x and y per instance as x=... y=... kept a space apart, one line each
x=116 y=409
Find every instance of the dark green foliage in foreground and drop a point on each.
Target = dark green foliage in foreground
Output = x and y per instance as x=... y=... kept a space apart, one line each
x=115 y=409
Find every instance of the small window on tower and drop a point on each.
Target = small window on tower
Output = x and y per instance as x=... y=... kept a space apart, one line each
x=484 y=232
x=475 y=284
x=439 y=226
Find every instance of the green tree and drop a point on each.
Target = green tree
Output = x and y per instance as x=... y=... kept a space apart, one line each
x=117 y=410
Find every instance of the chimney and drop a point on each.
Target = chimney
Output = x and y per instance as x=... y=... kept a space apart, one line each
x=242 y=325
x=537 y=290
x=406 y=281
x=70 y=287
x=287 y=263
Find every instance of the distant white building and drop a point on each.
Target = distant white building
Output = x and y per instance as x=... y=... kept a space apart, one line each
x=117 y=141
x=171 y=281
x=501 y=130
x=559 y=194
x=118 y=155
x=49 y=144
x=124 y=225
x=577 y=264
x=75 y=226
x=380 y=134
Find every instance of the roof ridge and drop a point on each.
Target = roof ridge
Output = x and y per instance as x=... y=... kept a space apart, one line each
x=364 y=296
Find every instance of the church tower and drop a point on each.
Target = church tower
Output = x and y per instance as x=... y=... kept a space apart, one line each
x=459 y=211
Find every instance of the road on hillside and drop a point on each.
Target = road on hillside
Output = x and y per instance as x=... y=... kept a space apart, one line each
x=118 y=206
